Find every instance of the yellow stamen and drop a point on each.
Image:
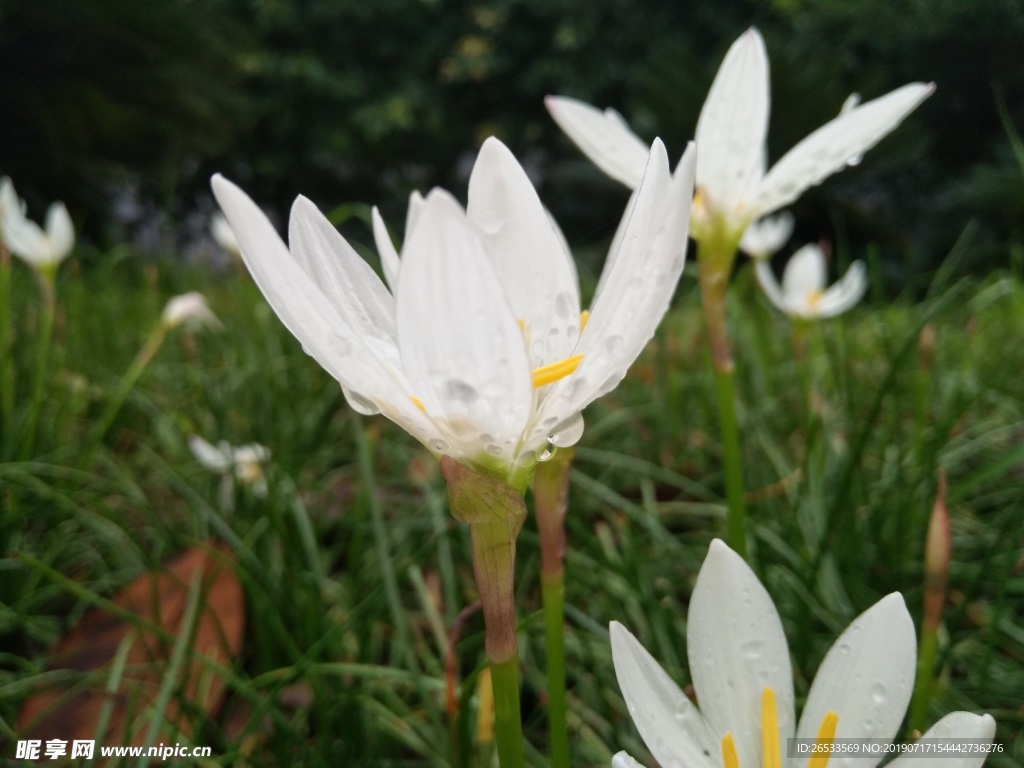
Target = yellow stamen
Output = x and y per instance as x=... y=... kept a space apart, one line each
x=823 y=743
x=813 y=297
x=418 y=403
x=522 y=325
x=729 y=757
x=772 y=758
x=584 y=316
x=548 y=374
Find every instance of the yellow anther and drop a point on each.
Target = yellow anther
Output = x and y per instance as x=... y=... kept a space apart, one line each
x=771 y=757
x=813 y=297
x=418 y=403
x=584 y=316
x=823 y=742
x=548 y=374
x=522 y=325
x=729 y=757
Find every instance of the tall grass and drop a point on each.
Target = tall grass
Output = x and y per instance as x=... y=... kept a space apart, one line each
x=353 y=571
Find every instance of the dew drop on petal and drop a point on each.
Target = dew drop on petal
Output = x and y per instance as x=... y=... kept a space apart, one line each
x=547 y=453
x=459 y=391
x=613 y=344
x=494 y=449
x=576 y=387
x=844 y=648
x=568 y=432
x=526 y=458
x=752 y=649
x=564 y=306
x=878 y=693
x=439 y=445
x=490 y=221
x=360 y=403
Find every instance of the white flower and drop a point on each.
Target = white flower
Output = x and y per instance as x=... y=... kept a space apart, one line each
x=766 y=236
x=223 y=233
x=41 y=250
x=740 y=669
x=803 y=293
x=732 y=187
x=479 y=349
x=189 y=309
x=243 y=463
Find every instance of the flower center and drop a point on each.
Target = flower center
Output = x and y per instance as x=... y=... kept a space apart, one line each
x=813 y=297
x=546 y=374
x=771 y=754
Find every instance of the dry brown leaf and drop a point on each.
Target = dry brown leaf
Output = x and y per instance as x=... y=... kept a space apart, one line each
x=158 y=597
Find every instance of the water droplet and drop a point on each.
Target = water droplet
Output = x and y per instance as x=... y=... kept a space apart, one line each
x=613 y=344
x=526 y=458
x=547 y=453
x=494 y=449
x=538 y=348
x=568 y=432
x=752 y=649
x=878 y=693
x=490 y=221
x=439 y=445
x=459 y=391
x=360 y=403
x=486 y=437
x=564 y=306
x=844 y=648
x=576 y=386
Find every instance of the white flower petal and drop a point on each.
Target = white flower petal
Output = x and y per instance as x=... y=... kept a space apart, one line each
x=671 y=726
x=60 y=231
x=829 y=148
x=844 y=294
x=604 y=137
x=412 y=213
x=623 y=760
x=390 y=264
x=955 y=725
x=460 y=344
x=767 y=236
x=805 y=273
x=11 y=206
x=348 y=282
x=526 y=252
x=26 y=240
x=736 y=648
x=324 y=332
x=190 y=310
x=616 y=245
x=208 y=456
x=733 y=125
x=770 y=286
x=866 y=678
x=223 y=234
x=296 y=299
x=636 y=294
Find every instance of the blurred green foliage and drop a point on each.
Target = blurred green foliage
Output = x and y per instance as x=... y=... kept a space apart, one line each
x=346 y=100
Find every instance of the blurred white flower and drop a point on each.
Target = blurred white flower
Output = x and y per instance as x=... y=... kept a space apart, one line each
x=733 y=188
x=243 y=463
x=223 y=233
x=479 y=350
x=740 y=669
x=191 y=310
x=767 y=236
x=803 y=293
x=41 y=250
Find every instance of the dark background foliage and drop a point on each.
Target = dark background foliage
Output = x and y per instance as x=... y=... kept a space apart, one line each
x=124 y=108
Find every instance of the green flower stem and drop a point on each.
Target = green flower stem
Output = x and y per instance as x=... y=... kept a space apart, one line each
x=927 y=650
x=715 y=266
x=494 y=511
x=6 y=337
x=145 y=355
x=48 y=308
x=550 y=501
